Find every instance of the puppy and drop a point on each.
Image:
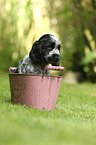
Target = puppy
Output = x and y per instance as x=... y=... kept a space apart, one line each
x=44 y=51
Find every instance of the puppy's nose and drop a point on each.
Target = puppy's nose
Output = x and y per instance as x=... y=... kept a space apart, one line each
x=56 y=57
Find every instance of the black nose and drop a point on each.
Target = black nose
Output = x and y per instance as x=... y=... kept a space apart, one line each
x=56 y=57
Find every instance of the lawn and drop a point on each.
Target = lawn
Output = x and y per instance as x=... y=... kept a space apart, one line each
x=73 y=122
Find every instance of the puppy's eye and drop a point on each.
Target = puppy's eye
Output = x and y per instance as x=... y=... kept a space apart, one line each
x=59 y=46
x=51 y=46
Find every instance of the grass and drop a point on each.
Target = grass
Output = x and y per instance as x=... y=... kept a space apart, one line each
x=73 y=122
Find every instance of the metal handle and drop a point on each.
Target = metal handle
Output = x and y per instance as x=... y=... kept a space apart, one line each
x=53 y=68
x=12 y=68
x=46 y=68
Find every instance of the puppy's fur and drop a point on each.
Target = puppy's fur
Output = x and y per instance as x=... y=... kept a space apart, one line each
x=44 y=51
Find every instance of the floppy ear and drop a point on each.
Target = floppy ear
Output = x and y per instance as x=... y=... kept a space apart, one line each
x=35 y=53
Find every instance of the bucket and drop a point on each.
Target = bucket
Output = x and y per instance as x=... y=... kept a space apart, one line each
x=38 y=91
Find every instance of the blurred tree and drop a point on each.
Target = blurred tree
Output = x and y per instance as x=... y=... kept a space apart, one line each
x=15 y=24
x=75 y=23
x=86 y=10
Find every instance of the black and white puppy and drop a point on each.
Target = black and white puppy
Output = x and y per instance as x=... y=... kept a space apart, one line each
x=44 y=51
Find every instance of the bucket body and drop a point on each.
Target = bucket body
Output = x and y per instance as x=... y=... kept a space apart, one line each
x=35 y=91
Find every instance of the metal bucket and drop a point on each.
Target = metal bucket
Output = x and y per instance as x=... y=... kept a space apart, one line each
x=38 y=91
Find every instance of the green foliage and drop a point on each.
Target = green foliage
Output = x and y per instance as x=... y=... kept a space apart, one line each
x=16 y=21
x=73 y=122
x=73 y=19
x=89 y=60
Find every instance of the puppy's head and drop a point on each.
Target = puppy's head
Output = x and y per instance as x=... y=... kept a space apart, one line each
x=46 y=51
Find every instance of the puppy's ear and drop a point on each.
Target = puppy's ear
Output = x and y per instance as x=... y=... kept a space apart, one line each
x=35 y=53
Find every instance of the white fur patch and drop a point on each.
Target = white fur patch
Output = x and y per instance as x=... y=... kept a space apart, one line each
x=56 y=40
x=54 y=51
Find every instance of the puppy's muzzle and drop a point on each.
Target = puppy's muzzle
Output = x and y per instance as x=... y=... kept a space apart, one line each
x=54 y=59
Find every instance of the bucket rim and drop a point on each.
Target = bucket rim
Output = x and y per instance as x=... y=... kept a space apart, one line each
x=40 y=75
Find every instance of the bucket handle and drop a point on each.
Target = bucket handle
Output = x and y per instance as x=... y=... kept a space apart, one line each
x=12 y=69
x=53 y=68
x=46 y=68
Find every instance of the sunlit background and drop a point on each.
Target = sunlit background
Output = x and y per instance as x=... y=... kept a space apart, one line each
x=72 y=21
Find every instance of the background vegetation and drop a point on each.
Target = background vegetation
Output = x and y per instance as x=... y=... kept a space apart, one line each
x=73 y=22
x=16 y=22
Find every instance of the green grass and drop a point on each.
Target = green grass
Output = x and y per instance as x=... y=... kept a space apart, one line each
x=73 y=122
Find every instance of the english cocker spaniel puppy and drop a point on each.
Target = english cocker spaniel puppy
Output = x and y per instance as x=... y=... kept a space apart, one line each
x=44 y=51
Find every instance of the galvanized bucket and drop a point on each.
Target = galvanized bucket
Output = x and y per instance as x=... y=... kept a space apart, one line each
x=38 y=91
